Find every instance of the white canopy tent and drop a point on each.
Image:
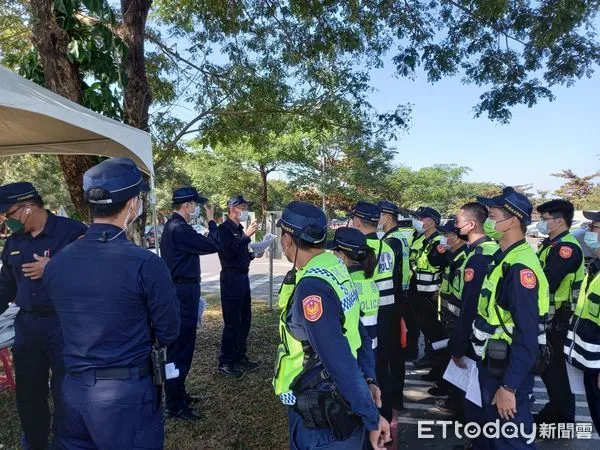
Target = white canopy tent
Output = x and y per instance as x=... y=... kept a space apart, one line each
x=36 y=120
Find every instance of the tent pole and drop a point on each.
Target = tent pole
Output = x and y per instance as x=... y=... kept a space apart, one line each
x=154 y=215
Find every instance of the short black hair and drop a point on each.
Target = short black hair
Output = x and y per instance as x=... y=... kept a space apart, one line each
x=558 y=208
x=476 y=211
x=103 y=210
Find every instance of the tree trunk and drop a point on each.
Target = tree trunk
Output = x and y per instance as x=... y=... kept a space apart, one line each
x=137 y=92
x=60 y=76
x=264 y=199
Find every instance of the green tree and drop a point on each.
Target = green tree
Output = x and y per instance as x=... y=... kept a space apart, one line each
x=577 y=188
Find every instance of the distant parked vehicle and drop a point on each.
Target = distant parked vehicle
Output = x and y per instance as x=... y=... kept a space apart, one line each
x=149 y=240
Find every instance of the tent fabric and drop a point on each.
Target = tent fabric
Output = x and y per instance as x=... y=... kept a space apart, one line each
x=36 y=120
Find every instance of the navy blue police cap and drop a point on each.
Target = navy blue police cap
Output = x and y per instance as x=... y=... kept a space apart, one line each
x=388 y=208
x=118 y=177
x=594 y=216
x=304 y=221
x=511 y=201
x=237 y=200
x=448 y=227
x=425 y=211
x=348 y=239
x=15 y=193
x=366 y=211
x=187 y=194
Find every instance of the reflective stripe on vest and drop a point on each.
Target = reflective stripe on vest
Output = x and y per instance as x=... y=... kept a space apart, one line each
x=582 y=346
x=487 y=324
x=568 y=290
x=290 y=353
x=368 y=298
x=384 y=273
x=406 y=272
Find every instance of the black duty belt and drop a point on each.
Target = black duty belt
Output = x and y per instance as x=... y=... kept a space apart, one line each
x=119 y=373
x=186 y=280
x=235 y=270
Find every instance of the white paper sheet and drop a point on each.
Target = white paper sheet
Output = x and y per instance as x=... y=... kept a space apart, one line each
x=438 y=345
x=259 y=247
x=575 y=379
x=466 y=379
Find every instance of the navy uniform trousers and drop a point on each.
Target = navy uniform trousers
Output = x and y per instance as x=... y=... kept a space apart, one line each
x=181 y=351
x=489 y=385
x=237 y=315
x=111 y=414
x=592 y=392
x=37 y=350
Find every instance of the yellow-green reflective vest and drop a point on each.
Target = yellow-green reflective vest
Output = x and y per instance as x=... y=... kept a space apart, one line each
x=427 y=277
x=582 y=346
x=488 y=324
x=453 y=282
x=384 y=273
x=368 y=298
x=408 y=233
x=406 y=272
x=568 y=290
x=290 y=353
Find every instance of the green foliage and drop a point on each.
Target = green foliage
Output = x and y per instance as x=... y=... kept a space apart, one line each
x=577 y=189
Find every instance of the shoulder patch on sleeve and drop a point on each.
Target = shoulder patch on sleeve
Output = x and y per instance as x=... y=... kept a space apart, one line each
x=313 y=308
x=441 y=248
x=565 y=252
x=528 y=278
x=469 y=274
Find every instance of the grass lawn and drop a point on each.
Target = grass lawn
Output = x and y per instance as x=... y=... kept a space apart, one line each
x=237 y=414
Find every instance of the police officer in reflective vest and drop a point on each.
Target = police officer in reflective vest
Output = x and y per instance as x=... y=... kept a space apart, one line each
x=37 y=235
x=426 y=278
x=180 y=248
x=455 y=251
x=365 y=217
x=469 y=226
x=582 y=346
x=397 y=241
x=561 y=257
x=317 y=373
x=509 y=330
x=114 y=300
x=235 y=257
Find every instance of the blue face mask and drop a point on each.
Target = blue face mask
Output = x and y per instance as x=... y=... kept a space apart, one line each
x=196 y=213
x=542 y=227
x=418 y=226
x=591 y=240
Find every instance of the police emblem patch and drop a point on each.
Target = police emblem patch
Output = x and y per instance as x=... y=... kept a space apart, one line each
x=469 y=274
x=313 y=308
x=528 y=278
x=441 y=248
x=565 y=252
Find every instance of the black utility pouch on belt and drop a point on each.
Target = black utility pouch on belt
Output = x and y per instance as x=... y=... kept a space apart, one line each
x=158 y=355
x=497 y=357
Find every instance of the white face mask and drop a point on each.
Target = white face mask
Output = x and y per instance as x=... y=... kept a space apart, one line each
x=196 y=213
x=444 y=242
x=418 y=225
x=244 y=216
x=591 y=240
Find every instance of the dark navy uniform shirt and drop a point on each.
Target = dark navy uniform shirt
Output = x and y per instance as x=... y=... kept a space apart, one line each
x=29 y=294
x=557 y=266
x=233 y=246
x=326 y=337
x=113 y=300
x=181 y=245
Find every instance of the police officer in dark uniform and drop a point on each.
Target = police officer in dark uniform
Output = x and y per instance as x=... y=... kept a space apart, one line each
x=180 y=248
x=37 y=235
x=114 y=300
x=318 y=375
x=235 y=257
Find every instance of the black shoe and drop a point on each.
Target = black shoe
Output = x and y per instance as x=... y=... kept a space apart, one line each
x=248 y=366
x=422 y=363
x=184 y=414
x=438 y=391
x=192 y=399
x=443 y=406
x=230 y=371
x=431 y=376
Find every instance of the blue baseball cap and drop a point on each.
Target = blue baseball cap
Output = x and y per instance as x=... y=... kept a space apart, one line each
x=15 y=193
x=448 y=227
x=511 y=201
x=426 y=211
x=187 y=194
x=238 y=200
x=348 y=239
x=388 y=208
x=119 y=177
x=367 y=211
x=304 y=221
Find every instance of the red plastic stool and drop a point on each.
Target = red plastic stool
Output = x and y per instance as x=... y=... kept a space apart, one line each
x=7 y=381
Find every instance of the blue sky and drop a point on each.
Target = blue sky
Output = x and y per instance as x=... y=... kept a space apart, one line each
x=539 y=141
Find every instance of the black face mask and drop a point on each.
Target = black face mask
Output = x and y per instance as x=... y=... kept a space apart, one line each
x=464 y=237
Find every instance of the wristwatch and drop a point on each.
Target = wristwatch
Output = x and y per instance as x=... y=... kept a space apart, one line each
x=371 y=381
x=509 y=389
